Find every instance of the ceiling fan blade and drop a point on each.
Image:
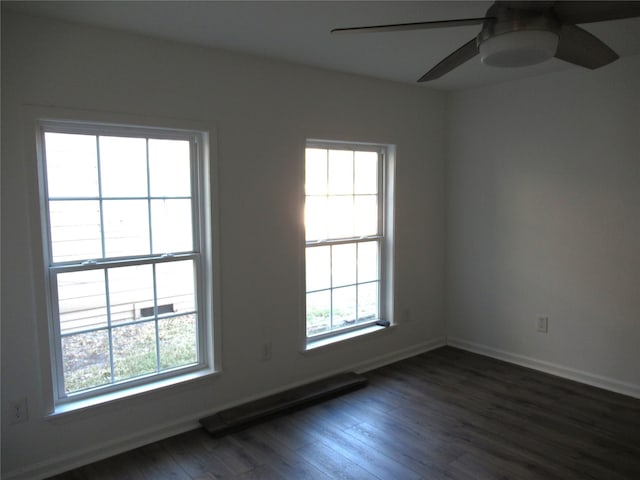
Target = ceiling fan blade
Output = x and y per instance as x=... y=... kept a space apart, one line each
x=596 y=11
x=413 y=25
x=582 y=48
x=457 y=58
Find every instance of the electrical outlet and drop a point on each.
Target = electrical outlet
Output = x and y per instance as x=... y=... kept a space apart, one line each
x=19 y=412
x=267 y=351
x=542 y=324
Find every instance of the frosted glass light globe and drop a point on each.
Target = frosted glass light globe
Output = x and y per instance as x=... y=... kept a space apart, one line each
x=518 y=49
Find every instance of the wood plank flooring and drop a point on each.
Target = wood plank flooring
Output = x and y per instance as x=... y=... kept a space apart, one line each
x=446 y=414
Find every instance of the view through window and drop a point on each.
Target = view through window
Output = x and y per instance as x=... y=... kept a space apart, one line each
x=124 y=254
x=344 y=237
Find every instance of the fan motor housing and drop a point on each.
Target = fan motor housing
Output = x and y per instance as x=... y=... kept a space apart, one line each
x=516 y=38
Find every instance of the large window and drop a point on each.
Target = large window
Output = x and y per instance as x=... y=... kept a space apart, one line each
x=127 y=260
x=345 y=223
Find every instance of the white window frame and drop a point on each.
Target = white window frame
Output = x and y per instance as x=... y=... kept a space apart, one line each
x=385 y=240
x=205 y=264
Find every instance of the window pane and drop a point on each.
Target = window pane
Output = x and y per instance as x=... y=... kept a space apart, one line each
x=366 y=213
x=169 y=168
x=126 y=227
x=75 y=230
x=130 y=293
x=134 y=350
x=123 y=167
x=316 y=217
x=82 y=301
x=86 y=360
x=171 y=225
x=343 y=265
x=340 y=172
x=318 y=312
x=368 y=302
x=367 y=262
x=72 y=165
x=366 y=172
x=175 y=286
x=316 y=171
x=344 y=306
x=178 y=341
x=341 y=217
x=318 y=266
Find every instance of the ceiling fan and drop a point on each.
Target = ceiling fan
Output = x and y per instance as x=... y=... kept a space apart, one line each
x=520 y=33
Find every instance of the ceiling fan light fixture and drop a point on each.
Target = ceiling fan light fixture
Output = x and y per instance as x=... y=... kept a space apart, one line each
x=519 y=48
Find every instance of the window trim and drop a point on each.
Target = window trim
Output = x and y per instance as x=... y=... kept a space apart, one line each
x=386 y=205
x=206 y=236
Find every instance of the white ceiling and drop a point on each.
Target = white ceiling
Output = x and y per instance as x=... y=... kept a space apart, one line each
x=298 y=31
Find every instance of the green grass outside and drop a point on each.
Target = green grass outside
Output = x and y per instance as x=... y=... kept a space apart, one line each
x=86 y=355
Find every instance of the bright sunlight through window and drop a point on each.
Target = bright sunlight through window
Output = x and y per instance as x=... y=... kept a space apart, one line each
x=344 y=237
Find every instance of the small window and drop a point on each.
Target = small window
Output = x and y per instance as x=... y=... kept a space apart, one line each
x=124 y=216
x=346 y=238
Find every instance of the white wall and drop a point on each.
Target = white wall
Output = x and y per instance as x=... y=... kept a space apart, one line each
x=263 y=111
x=543 y=212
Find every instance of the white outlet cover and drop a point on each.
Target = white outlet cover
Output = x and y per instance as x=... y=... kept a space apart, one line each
x=543 y=324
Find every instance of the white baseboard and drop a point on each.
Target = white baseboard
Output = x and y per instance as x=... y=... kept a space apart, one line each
x=399 y=355
x=108 y=449
x=95 y=453
x=581 y=376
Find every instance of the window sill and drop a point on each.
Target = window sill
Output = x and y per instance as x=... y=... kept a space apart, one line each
x=76 y=408
x=313 y=345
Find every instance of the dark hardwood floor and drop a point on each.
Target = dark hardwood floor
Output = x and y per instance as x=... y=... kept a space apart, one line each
x=446 y=414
